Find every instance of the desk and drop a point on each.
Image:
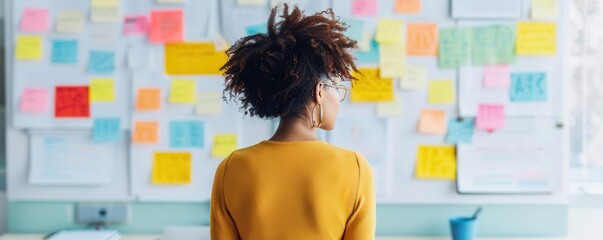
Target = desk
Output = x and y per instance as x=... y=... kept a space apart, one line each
x=155 y=237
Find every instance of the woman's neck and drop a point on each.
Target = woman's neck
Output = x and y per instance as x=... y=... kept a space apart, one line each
x=294 y=130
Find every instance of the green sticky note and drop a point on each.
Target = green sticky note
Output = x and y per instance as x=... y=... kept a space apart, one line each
x=493 y=45
x=454 y=47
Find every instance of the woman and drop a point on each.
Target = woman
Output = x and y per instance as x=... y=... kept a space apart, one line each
x=293 y=186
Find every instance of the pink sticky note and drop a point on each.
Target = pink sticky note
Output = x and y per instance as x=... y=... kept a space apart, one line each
x=35 y=20
x=34 y=100
x=135 y=25
x=490 y=117
x=166 y=26
x=364 y=7
x=497 y=76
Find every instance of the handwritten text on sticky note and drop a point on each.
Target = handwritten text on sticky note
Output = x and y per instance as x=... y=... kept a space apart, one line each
x=372 y=88
x=432 y=121
x=34 y=100
x=145 y=132
x=392 y=60
x=135 y=24
x=172 y=168
x=535 y=38
x=364 y=7
x=208 y=103
x=223 y=145
x=101 y=62
x=64 y=51
x=35 y=20
x=166 y=26
x=422 y=39
x=29 y=48
x=70 y=22
x=148 y=99
x=528 y=87
x=187 y=134
x=493 y=45
x=102 y=90
x=71 y=101
x=454 y=47
x=436 y=162
x=183 y=91
x=441 y=92
x=184 y=58
x=389 y=31
x=497 y=76
x=105 y=130
x=460 y=130
x=490 y=117
x=408 y=6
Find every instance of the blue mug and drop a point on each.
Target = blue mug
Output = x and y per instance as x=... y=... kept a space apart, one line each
x=463 y=228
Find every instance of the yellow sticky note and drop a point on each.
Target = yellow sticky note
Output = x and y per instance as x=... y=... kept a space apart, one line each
x=441 y=92
x=102 y=90
x=371 y=88
x=433 y=121
x=29 y=48
x=390 y=109
x=172 y=168
x=183 y=91
x=105 y=3
x=389 y=31
x=545 y=9
x=193 y=58
x=223 y=145
x=148 y=99
x=534 y=38
x=145 y=132
x=209 y=103
x=70 y=22
x=436 y=162
x=415 y=78
x=392 y=60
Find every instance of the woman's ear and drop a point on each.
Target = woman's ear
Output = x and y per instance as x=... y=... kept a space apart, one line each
x=318 y=93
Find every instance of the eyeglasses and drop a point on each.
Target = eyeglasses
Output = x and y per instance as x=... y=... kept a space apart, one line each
x=341 y=90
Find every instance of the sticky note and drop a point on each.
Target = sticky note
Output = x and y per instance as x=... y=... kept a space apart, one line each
x=208 y=103
x=148 y=99
x=535 y=38
x=251 y=2
x=187 y=134
x=497 y=76
x=34 y=100
x=490 y=117
x=103 y=35
x=460 y=130
x=101 y=62
x=415 y=78
x=71 y=101
x=436 y=162
x=145 y=132
x=102 y=90
x=389 y=31
x=69 y=22
x=172 y=168
x=223 y=145
x=170 y=1
x=105 y=15
x=136 y=24
x=453 y=51
x=544 y=9
x=365 y=44
x=64 y=51
x=441 y=92
x=166 y=26
x=29 y=48
x=527 y=87
x=185 y=58
x=371 y=88
x=183 y=91
x=257 y=28
x=392 y=60
x=493 y=45
x=35 y=20
x=390 y=109
x=106 y=130
x=408 y=6
x=422 y=39
x=355 y=30
x=432 y=121
x=105 y=3
x=370 y=56
x=364 y=7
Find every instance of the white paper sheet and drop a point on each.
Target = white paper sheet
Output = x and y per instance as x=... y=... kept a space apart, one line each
x=70 y=159
x=486 y=9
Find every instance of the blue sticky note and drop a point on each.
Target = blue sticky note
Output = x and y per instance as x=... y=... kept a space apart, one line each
x=258 y=28
x=101 y=62
x=460 y=130
x=527 y=87
x=356 y=29
x=64 y=51
x=372 y=56
x=106 y=130
x=187 y=134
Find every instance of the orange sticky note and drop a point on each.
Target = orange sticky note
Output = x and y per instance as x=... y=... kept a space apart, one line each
x=185 y=58
x=408 y=6
x=172 y=168
x=433 y=121
x=148 y=99
x=422 y=39
x=166 y=26
x=145 y=132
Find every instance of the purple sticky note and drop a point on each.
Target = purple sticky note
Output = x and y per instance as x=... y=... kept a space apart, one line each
x=35 y=20
x=34 y=100
x=490 y=117
x=364 y=7
x=138 y=24
x=497 y=76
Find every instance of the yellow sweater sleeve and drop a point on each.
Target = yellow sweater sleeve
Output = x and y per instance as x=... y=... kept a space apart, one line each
x=361 y=224
x=222 y=225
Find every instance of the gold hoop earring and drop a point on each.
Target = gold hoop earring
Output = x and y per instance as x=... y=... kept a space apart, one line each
x=319 y=116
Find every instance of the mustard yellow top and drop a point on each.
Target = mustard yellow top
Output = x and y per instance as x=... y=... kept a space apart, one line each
x=293 y=190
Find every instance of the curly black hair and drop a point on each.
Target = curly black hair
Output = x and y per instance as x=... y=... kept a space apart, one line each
x=273 y=74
